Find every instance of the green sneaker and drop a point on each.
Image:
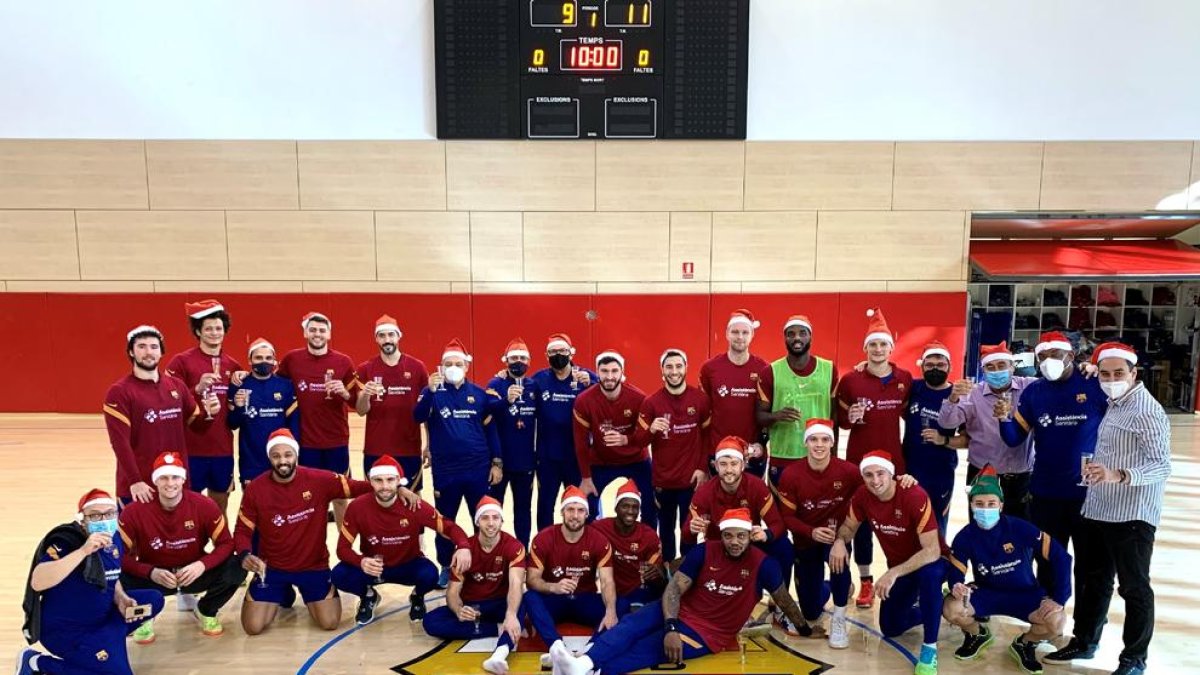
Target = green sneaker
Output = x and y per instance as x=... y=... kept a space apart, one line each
x=209 y=625
x=927 y=664
x=144 y=634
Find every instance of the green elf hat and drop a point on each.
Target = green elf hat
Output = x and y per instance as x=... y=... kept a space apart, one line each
x=986 y=483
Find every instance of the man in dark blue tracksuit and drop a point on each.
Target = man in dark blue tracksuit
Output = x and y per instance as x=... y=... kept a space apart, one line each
x=515 y=416
x=263 y=403
x=927 y=451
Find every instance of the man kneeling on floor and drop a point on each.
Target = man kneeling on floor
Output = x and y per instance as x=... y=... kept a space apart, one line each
x=707 y=602
x=1001 y=550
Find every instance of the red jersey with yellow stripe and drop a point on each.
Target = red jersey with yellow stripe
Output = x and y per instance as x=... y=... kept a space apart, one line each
x=290 y=517
x=217 y=439
x=145 y=418
x=678 y=453
x=393 y=532
x=593 y=414
x=156 y=537
x=630 y=552
x=323 y=423
x=724 y=590
x=898 y=522
x=558 y=558
x=712 y=500
x=487 y=578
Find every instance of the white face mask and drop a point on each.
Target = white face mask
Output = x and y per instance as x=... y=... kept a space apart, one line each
x=1052 y=369
x=1115 y=390
x=454 y=374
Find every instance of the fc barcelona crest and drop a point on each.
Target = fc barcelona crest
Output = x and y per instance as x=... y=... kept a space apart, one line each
x=837 y=485
x=1081 y=398
x=633 y=548
x=691 y=410
x=404 y=522
x=628 y=412
x=189 y=524
x=307 y=495
x=754 y=377
x=898 y=514
x=102 y=655
x=407 y=375
x=586 y=555
x=900 y=386
x=470 y=399
x=745 y=573
x=744 y=503
x=174 y=394
x=278 y=396
x=1008 y=547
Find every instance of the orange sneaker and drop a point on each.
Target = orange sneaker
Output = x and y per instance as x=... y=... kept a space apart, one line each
x=866 y=593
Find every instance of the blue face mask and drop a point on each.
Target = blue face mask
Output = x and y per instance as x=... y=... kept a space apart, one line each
x=986 y=518
x=107 y=526
x=998 y=378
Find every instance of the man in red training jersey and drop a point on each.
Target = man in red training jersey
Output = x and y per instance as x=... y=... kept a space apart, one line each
x=637 y=552
x=390 y=385
x=731 y=382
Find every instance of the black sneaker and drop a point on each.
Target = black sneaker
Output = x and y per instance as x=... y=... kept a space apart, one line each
x=1129 y=668
x=366 y=607
x=1074 y=650
x=1025 y=654
x=417 y=611
x=973 y=645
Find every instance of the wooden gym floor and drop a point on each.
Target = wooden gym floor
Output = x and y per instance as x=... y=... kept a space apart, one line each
x=48 y=461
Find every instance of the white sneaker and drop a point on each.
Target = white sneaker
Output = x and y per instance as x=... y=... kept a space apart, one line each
x=839 y=636
x=545 y=661
x=186 y=602
x=558 y=657
x=497 y=663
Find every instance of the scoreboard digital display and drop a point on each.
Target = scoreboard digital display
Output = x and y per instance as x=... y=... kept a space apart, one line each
x=591 y=69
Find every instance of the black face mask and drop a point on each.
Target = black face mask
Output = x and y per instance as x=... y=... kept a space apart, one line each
x=263 y=369
x=935 y=377
x=518 y=369
x=559 y=361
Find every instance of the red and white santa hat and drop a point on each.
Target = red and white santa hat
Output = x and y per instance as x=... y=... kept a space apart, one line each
x=488 y=504
x=742 y=317
x=989 y=353
x=168 y=464
x=573 y=495
x=387 y=465
x=386 y=323
x=282 y=437
x=934 y=348
x=798 y=320
x=455 y=349
x=878 y=458
x=736 y=518
x=516 y=347
x=817 y=426
x=258 y=344
x=560 y=341
x=877 y=328
x=671 y=351
x=628 y=490
x=1114 y=350
x=731 y=446
x=96 y=497
x=144 y=328
x=314 y=315
x=1053 y=340
x=610 y=353
x=202 y=308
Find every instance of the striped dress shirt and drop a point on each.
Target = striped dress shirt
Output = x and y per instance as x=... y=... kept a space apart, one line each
x=1134 y=436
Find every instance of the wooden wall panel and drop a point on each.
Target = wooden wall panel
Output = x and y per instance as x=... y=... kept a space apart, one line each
x=918 y=245
x=762 y=246
x=691 y=242
x=1194 y=180
x=787 y=176
x=386 y=175
x=1113 y=175
x=423 y=246
x=669 y=175
x=38 y=245
x=43 y=174
x=496 y=251
x=222 y=174
x=996 y=176
x=521 y=176
x=152 y=245
x=596 y=246
x=301 y=245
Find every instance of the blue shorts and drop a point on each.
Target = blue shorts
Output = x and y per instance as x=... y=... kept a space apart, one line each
x=210 y=473
x=336 y=459
x=1004 y=602
x=314 y=585
x=410 y=465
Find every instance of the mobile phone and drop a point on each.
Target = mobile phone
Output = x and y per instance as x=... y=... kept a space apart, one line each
x=137 y=612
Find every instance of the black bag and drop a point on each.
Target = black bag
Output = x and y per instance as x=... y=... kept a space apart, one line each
x=1052 y=298
x=1163 y=295
x=93 y=572
x=999 y=296
x=1134 y=296
x=1026 y=322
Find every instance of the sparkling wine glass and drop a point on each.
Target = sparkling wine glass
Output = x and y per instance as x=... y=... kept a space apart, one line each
x=328 y=382
x=1084 y=460
x=378 y=380
x=667 y=432
x=862 y=403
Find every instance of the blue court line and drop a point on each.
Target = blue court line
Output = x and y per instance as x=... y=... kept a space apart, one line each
x=312 y=660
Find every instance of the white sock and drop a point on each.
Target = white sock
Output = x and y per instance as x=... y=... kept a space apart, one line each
x=864 y=571
x=501 y=652
x=587 y=663
x=839 y=611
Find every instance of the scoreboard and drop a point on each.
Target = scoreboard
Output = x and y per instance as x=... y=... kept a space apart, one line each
x=591 y=69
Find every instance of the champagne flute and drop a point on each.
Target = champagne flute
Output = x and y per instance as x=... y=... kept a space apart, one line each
x=262 y=574
x=379 y=559
x=478 y=615
x=378 y=380
x=862 y=403
x=441 y=386
x=574 y=382
x=1006 y=396
x=209 y=394
x=1084 y=459
x=667 y=432
x=328 y=381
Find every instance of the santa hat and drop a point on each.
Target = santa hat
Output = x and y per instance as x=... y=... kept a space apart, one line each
x=877 y=458
x=516 y=347
x=1114 y=350
x=260 y=342
x=202 y=308
x=560 y=341
x=1053 y=340
x=387 y=465
x=731 y=446
x=986 y=483
x=488 y=505
x=798 y=320
x=455 y=348
x=817 y=426
x=743 y=317
x=989 y=353
x=144 y=328
x=573 y=495
x=671 y=352
x=739 y=518
x=386 y=323
x=628 y=490
x=282 y=437
x=168 y=464
x=934 y=348
x=96 y=497
x=877 y=328
x=610 y=353
x=314 y=315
